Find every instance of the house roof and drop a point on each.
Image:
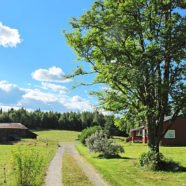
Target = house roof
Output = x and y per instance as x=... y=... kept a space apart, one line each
x=165 y=119
x=12 y=126
x=170 y=117
x=137 y=128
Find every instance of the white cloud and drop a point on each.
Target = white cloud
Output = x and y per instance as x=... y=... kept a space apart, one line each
x=35 y=94
x=78 y=103
x=9 y=37
x=12 y=96
x=52 y=74
x=7 y=87
x=114 y=60
x=10 y=93
x=44 y=106
x=47 y=101
x=104 y=112
x=7 y=108
x=56 y=88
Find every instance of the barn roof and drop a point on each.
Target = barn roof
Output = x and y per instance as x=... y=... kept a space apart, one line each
x=12 y=126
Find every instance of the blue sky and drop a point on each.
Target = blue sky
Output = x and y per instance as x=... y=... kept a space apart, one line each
x=34 y=56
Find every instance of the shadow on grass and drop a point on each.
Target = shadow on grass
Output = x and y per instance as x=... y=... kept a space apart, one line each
x=165 y=165
x=119 y=138
x=115 y=157
x=171 y=166
x=7 y=143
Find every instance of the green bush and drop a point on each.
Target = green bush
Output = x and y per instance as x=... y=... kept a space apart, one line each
x=156 y=161
x=88 y=132
x=101 y=143
x=151 y=160
x=28 y=165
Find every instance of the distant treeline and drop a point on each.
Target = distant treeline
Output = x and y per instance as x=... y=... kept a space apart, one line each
x=54 y=120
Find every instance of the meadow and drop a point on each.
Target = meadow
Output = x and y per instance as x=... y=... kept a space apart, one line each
x=117 y=171
x=127 y=171
x=46 y=145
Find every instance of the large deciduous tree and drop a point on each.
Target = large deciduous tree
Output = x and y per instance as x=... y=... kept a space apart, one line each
x=138 y=49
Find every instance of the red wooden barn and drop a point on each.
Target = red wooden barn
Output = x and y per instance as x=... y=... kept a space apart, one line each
x=175 y=136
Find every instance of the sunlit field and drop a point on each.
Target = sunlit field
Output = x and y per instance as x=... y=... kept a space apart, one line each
x=46 y=144
x=126 y=170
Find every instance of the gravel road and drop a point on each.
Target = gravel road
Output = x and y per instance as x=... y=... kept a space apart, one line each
x=54 y=176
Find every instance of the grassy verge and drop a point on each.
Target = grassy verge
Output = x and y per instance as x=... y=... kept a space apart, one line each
x=6 y=159
x=47 y=150
x=72 y=173
x=126 y=170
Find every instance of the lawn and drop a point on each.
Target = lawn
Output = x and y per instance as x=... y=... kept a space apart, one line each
x=56 y=136
x=46 y=144
x=126 y=170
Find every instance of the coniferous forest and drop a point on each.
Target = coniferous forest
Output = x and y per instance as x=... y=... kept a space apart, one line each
x=54 y=120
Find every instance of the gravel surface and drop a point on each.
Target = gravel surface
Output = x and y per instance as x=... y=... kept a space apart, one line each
x=54 y=176
x=87 y=168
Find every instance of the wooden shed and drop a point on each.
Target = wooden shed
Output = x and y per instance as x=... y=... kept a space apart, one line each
x=14 y=131
x=175 y=135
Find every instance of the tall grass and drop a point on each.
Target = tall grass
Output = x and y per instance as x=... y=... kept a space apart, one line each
x=28 y=167
x=8 y=160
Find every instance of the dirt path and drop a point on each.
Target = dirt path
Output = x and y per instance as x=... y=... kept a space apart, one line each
x=87 y=168
x=54 y=177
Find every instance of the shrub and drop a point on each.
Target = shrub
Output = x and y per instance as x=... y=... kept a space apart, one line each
x=151 y=160
x=88 y=132
x=28 y=166
x=101 y=143
x=156 y=161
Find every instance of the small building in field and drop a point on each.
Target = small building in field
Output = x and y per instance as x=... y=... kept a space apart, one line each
x=15 y=131
x=175 y=136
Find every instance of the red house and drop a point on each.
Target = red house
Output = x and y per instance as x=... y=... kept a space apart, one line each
x=175 y=136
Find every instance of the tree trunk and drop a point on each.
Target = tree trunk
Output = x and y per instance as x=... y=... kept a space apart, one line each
x=153 y=136
x=151 y=132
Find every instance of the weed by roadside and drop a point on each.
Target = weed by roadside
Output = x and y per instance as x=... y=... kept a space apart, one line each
x=28 y=165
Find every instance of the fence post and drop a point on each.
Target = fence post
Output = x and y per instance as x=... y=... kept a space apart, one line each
x=5 y=181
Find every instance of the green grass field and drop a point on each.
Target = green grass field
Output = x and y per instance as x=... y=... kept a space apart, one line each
x=56 y=136
x=122 y=171
x=52 y=137
x=126 y=170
